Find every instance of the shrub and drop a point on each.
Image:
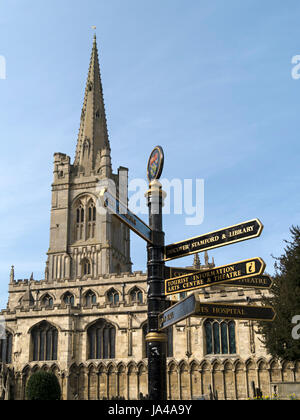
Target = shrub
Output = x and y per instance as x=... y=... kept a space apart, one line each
x=43 y=386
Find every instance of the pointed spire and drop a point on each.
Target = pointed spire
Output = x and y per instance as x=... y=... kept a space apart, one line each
x=196 y=263
x=93 y=149
x=206 y=260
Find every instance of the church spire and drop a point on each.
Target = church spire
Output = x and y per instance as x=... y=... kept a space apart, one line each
x=93 y=149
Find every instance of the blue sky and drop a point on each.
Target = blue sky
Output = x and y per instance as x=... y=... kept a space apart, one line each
x=210 y=81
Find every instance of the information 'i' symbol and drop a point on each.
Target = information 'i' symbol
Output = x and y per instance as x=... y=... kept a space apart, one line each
x=250 y=267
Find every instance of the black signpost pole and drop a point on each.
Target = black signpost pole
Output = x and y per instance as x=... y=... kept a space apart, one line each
x=156 y=340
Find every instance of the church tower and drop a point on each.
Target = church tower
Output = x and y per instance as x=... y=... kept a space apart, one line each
x=84 y=242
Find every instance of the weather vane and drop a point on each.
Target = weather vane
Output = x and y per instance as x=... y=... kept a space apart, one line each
x=94 y=29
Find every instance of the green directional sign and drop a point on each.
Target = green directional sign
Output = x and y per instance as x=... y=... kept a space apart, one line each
x=224 y=311
x=226 y=273
x=120 y=210
x=260 y=282
x=230 y=235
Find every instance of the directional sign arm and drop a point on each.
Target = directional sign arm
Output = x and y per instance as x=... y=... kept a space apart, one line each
x=121 y=211
x=217 y=275
x=225 y=311
x=259 y=282
x=192 y=306
x=232 y=234
x=177 y=312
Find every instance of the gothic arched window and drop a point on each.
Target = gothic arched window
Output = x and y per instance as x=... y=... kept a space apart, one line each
x=6 y=348
x=113 y=297
x=44 y=338
x=68 y=299
x=90 y=298
x=47 y=301
x=220 y=337
x=101 y=340
x=84 y=218
x=136 y=295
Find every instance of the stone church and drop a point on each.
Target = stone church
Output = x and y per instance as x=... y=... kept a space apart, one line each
x=86 y=321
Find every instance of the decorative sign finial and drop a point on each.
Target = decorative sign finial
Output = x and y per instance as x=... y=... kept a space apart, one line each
x=155 y=163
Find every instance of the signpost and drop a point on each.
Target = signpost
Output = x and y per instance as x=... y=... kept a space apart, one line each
x=156 y=340
x=226 y=273
x=218 y=238
x=163 y=281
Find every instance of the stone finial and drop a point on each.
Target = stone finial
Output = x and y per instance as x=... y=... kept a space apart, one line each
x=12 y=274
x=47 y=271
x=206 y=260
x=196 y=263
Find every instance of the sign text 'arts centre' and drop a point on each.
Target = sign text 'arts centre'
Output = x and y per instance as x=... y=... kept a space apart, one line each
x=223 y=274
